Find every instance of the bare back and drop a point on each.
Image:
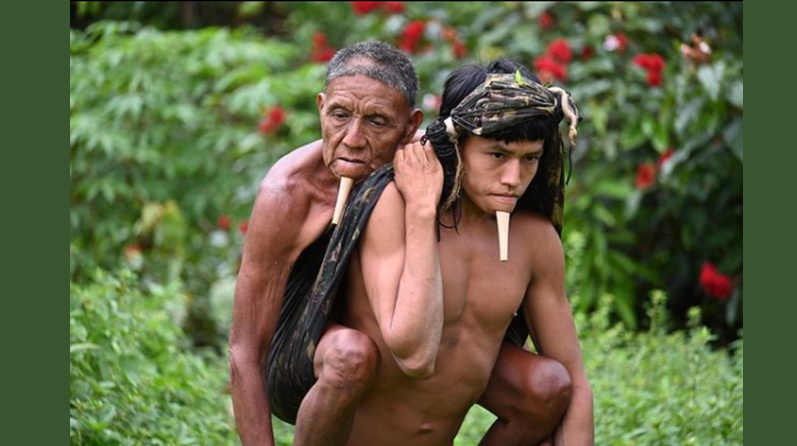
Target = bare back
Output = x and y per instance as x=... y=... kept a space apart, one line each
x=480 y=297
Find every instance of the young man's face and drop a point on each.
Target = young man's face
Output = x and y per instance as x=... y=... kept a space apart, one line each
x=363 y=121
x=496 y=173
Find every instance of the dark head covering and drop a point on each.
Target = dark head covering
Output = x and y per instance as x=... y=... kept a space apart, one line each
x=509 y=106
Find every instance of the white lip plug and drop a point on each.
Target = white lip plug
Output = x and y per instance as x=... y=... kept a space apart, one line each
x=343 y=195
x=503 y=234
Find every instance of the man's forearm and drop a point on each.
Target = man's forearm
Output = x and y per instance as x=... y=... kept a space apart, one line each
x=418 y=315
x=578 y=426
x=250 y=405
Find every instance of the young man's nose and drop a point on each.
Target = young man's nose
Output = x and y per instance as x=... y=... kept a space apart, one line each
x=355 y=137
x=510 y=174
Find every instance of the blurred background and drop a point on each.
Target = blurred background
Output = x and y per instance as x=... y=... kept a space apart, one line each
x=178 y=109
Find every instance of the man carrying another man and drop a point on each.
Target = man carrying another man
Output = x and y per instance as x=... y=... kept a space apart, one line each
x=367 y=112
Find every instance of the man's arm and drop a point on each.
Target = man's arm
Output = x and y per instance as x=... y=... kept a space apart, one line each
x=400 y=263
x=548 y=312
x=259 y=295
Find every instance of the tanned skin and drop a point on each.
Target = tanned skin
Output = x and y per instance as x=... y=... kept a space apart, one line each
x=438 y=311
x=363 y=122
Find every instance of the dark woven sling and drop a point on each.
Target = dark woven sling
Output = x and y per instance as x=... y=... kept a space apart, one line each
x=309 y=296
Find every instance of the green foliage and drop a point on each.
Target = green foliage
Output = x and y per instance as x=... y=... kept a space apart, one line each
x=653 y=387
x=164 y=136
x=130 y=382
x=165 y=146
x=164 y=141
x=675 y=388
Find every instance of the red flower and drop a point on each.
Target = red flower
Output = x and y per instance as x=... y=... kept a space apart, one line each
x=223 y=222
x=546 y=21
x=243 y=226
x=653 y=64
x=654 y=78
x=547 y=68
x=271 y=120
x=615 y=42
x=361 y=8
x=645 y=175
x=321 y=51
x=664 y=157
x=714 y=283
x=412 y=35
x=587 y=52
x=394 y=7
x=460 y=50
x=622 y=41
x=559 y=49
x=650 y=62
x=323 y=55
x=319 y=39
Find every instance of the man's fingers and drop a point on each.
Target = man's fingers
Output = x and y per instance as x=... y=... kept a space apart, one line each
x=399 y=155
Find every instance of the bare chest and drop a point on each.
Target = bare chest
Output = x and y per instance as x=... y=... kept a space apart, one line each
x=478 y=287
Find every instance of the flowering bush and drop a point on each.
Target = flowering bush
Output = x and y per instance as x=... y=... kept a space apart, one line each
x=196 y=118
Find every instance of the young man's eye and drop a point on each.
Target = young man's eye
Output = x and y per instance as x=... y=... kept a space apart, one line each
x=498 y=155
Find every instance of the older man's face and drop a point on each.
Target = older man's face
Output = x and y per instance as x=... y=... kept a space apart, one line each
x=363 y=122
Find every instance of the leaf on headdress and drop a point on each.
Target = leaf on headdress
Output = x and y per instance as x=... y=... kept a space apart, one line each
x=519 y=78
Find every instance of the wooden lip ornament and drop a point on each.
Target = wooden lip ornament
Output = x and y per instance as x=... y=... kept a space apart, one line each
x=503 y=234
x=343 y=195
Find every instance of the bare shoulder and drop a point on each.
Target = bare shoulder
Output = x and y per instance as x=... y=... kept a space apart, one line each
x=281 y=219
x=537 y=233
x=293 y=167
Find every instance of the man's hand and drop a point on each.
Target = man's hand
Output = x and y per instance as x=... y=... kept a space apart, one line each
x=419 y=176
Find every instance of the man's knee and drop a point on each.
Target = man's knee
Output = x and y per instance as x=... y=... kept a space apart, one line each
x=549 y=387
x=350 y=359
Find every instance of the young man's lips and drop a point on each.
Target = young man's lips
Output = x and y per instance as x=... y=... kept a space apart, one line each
x=508 y=198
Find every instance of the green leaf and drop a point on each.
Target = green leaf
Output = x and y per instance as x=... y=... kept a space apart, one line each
x=733 y=136
x=83 y=346
x=736 y=94
x=688 y=114
x=711 y=78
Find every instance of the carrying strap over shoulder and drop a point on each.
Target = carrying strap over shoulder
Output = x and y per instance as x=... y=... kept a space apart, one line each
x=309 y=297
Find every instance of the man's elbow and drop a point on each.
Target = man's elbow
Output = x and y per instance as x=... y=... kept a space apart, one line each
x=415 y=357
x=417 y=367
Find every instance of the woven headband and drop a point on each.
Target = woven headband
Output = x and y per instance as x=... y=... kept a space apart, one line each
x=508 y=100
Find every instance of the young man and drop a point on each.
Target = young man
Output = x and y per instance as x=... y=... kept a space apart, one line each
x=439 y=310
x=279 y=363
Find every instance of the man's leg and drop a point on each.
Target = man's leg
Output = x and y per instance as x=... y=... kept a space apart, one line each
x=528 y=393
x=346 y=364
